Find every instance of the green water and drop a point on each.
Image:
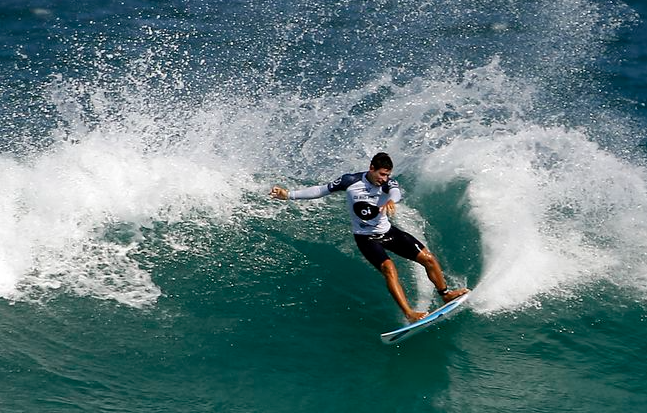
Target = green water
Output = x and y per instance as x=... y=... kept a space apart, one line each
x=143 y=268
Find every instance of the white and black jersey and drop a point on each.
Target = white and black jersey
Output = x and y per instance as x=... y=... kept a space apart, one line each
x=363 y=199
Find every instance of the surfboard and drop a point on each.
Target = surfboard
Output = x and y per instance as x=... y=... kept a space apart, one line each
x=437 y=315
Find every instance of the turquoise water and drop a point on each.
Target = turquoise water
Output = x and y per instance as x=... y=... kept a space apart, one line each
x=143 y=268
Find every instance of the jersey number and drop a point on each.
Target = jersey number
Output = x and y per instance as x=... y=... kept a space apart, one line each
x=365 y=211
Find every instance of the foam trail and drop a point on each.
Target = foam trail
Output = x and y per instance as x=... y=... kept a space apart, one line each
x=554 y=211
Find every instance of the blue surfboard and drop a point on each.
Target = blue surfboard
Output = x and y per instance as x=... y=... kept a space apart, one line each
x=439 y=314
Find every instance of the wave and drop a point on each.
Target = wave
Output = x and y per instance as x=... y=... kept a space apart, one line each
x=555 y=205
x=62 y=206
x=554 y=210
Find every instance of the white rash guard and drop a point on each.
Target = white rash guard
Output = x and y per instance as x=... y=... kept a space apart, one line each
x=363 y=199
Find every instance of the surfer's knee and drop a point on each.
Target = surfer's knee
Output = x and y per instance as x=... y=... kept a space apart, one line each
x=427 y=259
x=387 y=268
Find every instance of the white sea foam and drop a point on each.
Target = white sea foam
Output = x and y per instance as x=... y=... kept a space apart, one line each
x=57 y=207
x=554 y=210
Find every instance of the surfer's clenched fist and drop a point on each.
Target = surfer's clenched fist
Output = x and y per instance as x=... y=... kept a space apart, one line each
x=279 y=193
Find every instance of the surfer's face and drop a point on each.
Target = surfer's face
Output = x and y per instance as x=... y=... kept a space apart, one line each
x=378 y=176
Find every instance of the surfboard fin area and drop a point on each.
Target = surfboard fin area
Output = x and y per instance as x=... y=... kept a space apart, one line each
x=435 y=316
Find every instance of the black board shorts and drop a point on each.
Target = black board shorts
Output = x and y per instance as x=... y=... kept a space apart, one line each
x=374 y=247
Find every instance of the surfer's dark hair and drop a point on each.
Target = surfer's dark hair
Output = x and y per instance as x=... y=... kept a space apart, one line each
x=382 y=160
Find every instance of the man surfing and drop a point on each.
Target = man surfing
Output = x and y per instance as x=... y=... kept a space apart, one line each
x=371 y=197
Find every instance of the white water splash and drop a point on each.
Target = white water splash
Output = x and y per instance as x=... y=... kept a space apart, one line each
x=554 y=210
x=57 y=206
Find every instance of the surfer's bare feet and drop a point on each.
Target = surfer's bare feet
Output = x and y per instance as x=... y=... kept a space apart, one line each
x=415 y=316
x=454 y=294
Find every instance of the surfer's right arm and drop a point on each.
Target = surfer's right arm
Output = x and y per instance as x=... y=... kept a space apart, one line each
x=306 y=193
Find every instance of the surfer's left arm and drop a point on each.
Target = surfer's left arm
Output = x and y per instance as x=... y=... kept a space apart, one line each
x=394 y=197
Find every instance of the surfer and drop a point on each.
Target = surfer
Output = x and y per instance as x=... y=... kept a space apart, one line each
x=371 y=197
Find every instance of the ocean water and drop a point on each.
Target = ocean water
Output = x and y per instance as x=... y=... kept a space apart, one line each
x=143 y=267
